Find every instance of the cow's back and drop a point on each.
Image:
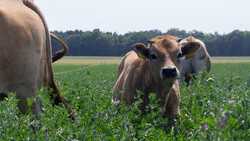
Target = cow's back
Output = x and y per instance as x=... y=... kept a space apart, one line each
x=123 y=62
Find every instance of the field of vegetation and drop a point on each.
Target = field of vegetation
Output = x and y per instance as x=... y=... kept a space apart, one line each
x=217 y=108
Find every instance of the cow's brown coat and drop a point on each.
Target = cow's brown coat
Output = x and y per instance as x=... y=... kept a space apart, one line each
x=139 y=70
x=25 y=53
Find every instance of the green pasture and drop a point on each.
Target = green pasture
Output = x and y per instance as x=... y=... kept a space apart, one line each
x=217 y=107
x=90 y=60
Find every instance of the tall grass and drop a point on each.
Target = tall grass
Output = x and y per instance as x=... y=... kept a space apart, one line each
x=217 y=108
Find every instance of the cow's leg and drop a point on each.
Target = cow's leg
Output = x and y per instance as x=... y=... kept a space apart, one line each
x=25 y=91
x=186 y=64
x=22 y=103
x=36 y=108
x=172 y=107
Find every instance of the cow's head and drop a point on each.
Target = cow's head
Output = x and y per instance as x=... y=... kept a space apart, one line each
x=164 y=53
x=190 y=40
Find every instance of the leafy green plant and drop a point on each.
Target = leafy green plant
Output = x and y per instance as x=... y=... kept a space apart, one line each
x=217 y=108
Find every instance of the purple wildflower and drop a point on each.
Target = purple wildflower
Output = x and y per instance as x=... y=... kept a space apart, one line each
x=94 y=131
x=129 y=127
x=227 y=115
x=47 y=133
x=203 y=127
x=223 y=123
x=100 y=114
x=110 y=108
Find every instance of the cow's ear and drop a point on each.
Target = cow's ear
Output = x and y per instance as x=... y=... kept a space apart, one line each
x=189 y=49
x=141 y=50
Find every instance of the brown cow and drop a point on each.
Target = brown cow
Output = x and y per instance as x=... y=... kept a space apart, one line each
x=153 y=69
x=199 y=61
x=25 y=54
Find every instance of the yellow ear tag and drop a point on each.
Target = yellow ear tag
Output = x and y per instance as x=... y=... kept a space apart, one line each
x=141 y=55
x=190 y=55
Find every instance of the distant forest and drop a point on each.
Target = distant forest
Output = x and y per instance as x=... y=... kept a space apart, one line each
x=98 y=43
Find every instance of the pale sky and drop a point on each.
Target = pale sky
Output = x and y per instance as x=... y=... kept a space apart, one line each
x=123 y=16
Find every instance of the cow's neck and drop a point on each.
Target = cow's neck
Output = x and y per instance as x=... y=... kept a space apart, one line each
x=162 y=92
x=152 y=85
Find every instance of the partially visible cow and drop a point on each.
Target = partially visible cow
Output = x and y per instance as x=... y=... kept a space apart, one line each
x=195 y=63
x=153 y=69
x=25 y=54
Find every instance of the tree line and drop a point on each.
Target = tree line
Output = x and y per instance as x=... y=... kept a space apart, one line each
x=98 y=43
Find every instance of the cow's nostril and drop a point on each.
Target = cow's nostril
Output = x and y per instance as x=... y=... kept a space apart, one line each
x=169 y=72
x=173 y=70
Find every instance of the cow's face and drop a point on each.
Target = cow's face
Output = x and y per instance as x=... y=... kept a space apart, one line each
x=164 y=54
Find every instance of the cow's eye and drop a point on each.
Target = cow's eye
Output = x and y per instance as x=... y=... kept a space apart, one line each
x=179 y=55
x=153 y=56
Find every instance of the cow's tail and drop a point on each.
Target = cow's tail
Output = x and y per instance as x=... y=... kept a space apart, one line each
x=50 y=76
x=59 y=54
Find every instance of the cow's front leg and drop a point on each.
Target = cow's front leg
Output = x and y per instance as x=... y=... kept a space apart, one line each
x=172 y=107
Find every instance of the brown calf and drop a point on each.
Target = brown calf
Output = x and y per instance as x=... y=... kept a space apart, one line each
x=153 y=69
